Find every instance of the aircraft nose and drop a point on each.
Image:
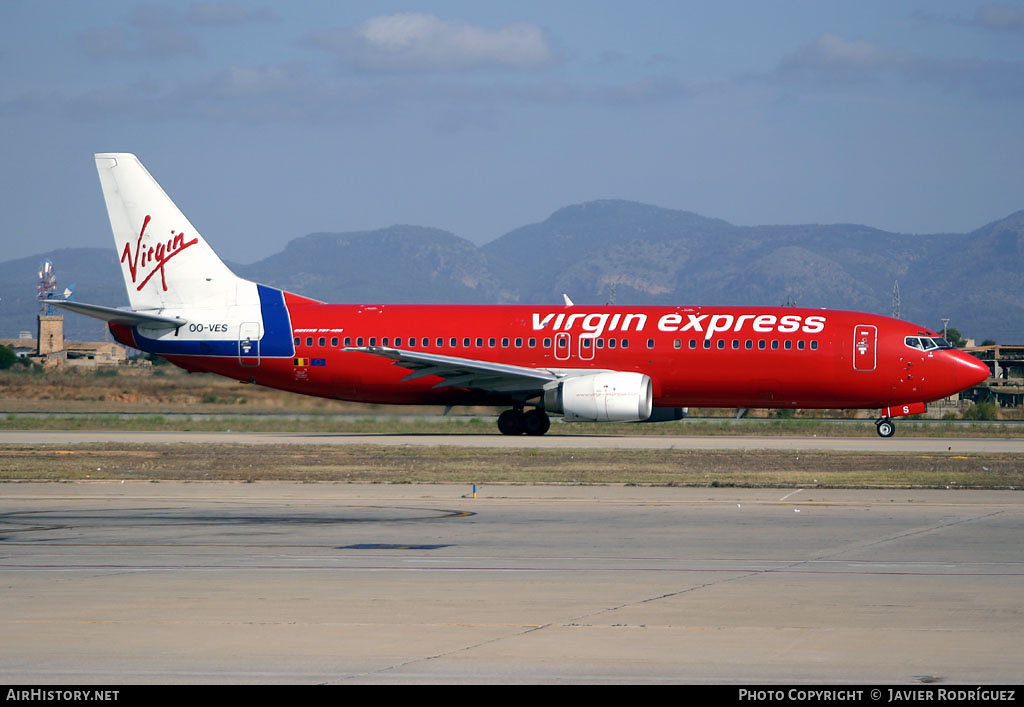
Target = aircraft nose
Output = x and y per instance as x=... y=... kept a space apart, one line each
x=969 y=370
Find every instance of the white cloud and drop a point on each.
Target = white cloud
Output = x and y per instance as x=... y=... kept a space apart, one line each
x=208 y=13
x=161 y=32
x=830 y=52
x=999 y=17
x=833 y=62
x=228 y=13
x=139 y=42
x=414 y=42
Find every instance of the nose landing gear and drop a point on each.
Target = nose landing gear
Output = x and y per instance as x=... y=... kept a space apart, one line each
x=884 y=423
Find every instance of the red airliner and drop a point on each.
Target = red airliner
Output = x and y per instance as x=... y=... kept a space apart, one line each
x=585 y=363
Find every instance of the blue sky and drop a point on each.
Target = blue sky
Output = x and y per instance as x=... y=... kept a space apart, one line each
x=266 y=122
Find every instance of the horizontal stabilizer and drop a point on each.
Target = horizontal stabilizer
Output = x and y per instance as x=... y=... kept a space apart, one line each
x=118 y=316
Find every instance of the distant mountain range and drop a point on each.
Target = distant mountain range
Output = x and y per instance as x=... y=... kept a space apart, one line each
x=614 y=250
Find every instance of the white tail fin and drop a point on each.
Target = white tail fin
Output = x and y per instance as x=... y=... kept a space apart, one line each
x=165 y=261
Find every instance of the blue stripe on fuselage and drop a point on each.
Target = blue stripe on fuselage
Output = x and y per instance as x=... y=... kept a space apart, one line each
x=277 y=324
x=276 y=340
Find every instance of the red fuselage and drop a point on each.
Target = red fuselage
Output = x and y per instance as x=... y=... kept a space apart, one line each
x=695 y=356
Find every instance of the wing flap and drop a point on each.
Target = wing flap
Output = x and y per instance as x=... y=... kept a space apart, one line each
x=464 y=372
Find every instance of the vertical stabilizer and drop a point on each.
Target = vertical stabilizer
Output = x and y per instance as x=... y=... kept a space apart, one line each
x=166 y=263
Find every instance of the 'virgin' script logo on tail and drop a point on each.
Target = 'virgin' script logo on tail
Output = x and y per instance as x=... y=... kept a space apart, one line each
x=154 y=257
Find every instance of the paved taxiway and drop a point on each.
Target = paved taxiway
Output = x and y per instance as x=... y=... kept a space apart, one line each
x=333 y=583
x=858 y=444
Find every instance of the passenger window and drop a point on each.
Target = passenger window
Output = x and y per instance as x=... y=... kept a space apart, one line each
x=650 y=343
x=814 y=345
x=625 y=343
x=348 y=341
x=490 y=342
x=761 y=344
x=749 y=344
x=384 y=341
x=547 y=343
x=297 y=341
x=693 y=343
x=788 y=344
x=800 y=344
x=426 y=342
x=735 y=344
x=775 y=344
x=600 y=343
x=309 y=341
x=504 y=342
x=479 y=342
x=373 y=341
x=334 y=341
x=359 y=341
x=532 y=342
x=519 y=342
x=677 y=344
x=707 y=343
x=611 y=343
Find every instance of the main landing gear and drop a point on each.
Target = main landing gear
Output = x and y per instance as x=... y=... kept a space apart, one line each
x=885 y=427
x=517 y=422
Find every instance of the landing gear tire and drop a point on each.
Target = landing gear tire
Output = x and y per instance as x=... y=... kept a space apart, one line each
x=537 y=422
x=885 y=428
x=512 y=422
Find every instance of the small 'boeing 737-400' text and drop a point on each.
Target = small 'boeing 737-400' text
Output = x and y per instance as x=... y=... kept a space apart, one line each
x=585 y=363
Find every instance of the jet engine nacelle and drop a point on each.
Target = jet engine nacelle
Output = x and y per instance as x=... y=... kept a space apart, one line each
x=601 y=397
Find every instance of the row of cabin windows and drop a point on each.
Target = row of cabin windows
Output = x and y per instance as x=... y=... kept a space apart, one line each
x=453 y=342
x=562 y=342
x=736 y=344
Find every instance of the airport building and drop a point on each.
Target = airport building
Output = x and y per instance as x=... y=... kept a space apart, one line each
x=51 y=350
x=1005 y=387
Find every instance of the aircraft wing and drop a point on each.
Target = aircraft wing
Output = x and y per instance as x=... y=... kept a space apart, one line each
x=118 y=316
x=464 y=372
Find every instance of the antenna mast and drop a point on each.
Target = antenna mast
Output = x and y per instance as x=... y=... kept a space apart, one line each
x=47 y=284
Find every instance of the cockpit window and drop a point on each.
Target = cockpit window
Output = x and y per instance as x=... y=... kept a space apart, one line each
x=927 y=343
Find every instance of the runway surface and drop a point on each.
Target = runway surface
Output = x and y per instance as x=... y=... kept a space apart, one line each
x=335 y=583
x=860 y=444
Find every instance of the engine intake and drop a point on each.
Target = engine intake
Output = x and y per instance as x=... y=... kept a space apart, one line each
x=601 y=397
